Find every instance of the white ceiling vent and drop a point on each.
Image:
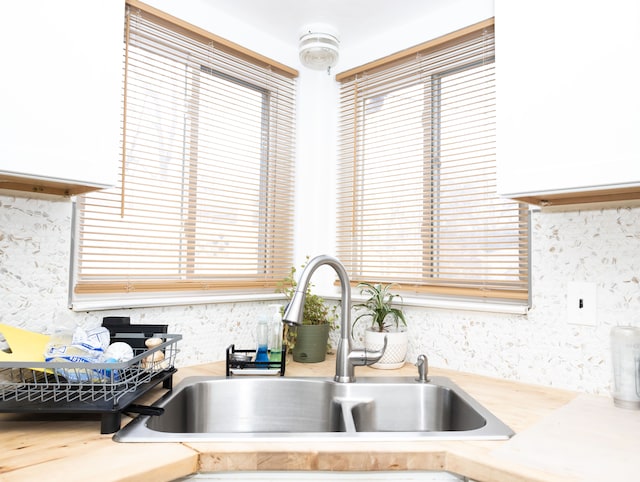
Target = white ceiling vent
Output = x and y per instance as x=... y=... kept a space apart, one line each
x=319 y=47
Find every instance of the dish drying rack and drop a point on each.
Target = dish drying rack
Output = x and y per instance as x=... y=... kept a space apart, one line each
x=106 y=388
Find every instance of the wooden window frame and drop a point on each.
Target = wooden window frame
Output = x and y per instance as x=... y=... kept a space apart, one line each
x=360 y=85
x=269 y=196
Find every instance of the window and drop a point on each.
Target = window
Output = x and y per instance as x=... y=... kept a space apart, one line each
x=206 y=194
x=417 y=174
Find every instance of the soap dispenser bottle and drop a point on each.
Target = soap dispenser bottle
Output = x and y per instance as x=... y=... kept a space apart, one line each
x=262 y=340
x=275 y=334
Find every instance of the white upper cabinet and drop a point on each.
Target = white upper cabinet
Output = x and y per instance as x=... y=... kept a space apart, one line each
x=568 y=100
x=60 y=94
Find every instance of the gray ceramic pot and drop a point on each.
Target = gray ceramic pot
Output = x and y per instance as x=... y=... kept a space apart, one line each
x=311 y=343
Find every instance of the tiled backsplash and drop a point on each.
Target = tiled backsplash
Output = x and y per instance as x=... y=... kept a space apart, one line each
x=597 y=245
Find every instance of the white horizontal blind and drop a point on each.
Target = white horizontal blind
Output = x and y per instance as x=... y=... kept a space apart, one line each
x=206 y=198
x=417 y=176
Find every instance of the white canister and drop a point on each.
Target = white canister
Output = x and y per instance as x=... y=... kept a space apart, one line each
x=625 y=357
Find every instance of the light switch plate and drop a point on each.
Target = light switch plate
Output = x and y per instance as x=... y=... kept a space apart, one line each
x=581 y=303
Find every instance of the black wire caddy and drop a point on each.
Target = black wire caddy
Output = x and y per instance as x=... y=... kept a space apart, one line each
x=242 y=362
x=105 y=388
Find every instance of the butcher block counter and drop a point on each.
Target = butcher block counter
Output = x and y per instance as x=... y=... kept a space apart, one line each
x=560 y=436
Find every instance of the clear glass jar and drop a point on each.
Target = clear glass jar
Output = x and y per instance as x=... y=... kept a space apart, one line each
x=262 y=341
x=275 y=334
x=625 y=358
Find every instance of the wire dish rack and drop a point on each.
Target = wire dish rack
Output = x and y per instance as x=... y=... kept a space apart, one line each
x=106 y=388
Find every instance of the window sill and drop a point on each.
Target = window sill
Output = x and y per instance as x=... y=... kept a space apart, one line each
x=488 y=306
x=158 y=300
x=151 y=300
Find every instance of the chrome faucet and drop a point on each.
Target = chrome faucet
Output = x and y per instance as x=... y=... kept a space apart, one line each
x=346 y=357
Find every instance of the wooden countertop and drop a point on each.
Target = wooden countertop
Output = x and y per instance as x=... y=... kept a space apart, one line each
x=561 y=436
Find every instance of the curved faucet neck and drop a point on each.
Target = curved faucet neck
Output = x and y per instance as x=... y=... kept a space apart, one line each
x=345 y=287
x=346 y=358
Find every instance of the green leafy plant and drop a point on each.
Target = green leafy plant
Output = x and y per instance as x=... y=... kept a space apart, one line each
x=315 y=312
x=378 y=307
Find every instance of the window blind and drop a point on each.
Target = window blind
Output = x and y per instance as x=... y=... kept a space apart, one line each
x=417 y=201
x=206 y=194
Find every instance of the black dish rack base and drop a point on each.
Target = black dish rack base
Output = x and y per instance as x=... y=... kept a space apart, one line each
x=105 y=388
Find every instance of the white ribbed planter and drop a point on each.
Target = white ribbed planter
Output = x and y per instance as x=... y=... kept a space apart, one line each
x=396 y=352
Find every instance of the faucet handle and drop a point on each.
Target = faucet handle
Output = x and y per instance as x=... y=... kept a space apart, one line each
x=423 y=369
x=362 y=356
x=374 y=356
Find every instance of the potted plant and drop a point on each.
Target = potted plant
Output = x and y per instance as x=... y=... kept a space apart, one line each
x=309 y=342
x=385 y=321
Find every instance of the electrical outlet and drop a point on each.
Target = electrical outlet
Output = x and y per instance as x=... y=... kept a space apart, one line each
x=581 y=303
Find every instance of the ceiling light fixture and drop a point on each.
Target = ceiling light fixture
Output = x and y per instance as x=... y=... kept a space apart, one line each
x=319 y=47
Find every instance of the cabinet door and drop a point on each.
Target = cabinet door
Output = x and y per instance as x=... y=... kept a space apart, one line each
x=60 y=90
x=568 y=90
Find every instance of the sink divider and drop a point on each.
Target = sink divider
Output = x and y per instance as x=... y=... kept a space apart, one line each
x=348 y=409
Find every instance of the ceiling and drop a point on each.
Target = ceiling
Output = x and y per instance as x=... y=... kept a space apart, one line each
x=355 y=20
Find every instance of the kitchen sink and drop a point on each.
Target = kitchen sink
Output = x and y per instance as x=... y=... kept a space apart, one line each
x=209 y=409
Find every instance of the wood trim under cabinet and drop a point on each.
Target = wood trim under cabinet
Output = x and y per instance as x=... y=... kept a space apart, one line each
x=581 y=197
x=58 y=187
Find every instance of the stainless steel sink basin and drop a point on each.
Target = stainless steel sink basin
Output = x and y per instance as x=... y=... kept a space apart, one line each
x=206 y=405
x=271 y=408
x=397 y=406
